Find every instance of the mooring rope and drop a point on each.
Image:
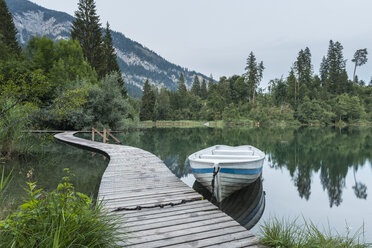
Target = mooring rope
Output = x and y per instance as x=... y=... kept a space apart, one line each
x=172 y=204
x=215 y=172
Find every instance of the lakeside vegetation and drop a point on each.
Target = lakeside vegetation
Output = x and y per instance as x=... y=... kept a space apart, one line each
x=302 y=98
x=281 y=233
x=60 y=218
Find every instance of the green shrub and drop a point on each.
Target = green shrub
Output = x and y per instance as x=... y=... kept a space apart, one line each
x=61 y=218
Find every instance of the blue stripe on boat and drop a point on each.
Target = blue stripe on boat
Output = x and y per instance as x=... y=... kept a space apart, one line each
x=241 y=171
x=230 y=171
x=207 y=170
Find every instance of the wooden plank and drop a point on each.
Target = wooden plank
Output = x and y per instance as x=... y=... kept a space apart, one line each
x=139 y=239
x=250 y=241
x=177 y=209
x=131 y=205
x=154 y=224
x=194 y=239
x=130 y=193
x=154 y=198
x=182 y=226
x=168 y=213
x=129 y=197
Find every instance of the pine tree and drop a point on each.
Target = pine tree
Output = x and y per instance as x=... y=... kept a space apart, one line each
x=181 y=85
x=8 y=31
x=292 y=93
x=211 y=85
x=182 y=93
x=253 y=75
x=333 y=69
x=147 y=103
x=323 y=72
x=360 y=58
x=303 y=67
x=110 y=63
x=109 y=54
x=204 y=90
x=87 y=29
x=195 y=89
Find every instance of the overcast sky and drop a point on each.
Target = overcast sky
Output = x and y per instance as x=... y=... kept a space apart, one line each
x=216 y=36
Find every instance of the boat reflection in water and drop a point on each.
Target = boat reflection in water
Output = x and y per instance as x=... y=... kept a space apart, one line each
x=246 y=205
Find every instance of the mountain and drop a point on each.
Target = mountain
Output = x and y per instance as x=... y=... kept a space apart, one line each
x=136 y=62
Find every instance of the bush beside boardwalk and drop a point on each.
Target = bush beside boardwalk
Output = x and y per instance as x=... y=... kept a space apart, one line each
x=61 y=218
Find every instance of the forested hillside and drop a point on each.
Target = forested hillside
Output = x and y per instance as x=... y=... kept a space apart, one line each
x=137 y=63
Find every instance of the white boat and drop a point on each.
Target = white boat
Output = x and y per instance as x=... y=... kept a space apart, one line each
x=232 y=168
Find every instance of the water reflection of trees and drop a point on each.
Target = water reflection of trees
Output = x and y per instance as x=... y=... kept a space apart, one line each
x=328 y=152
x=44 y=164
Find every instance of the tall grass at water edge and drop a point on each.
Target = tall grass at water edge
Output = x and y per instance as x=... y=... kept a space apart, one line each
x=285 y=233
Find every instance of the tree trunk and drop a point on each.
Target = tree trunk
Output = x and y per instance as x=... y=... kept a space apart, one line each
x=354 y=72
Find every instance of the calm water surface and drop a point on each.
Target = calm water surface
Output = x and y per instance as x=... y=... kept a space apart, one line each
x=44 y=164
x=321 y=174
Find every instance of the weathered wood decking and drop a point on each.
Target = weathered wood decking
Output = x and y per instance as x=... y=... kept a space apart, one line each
x=136 y=177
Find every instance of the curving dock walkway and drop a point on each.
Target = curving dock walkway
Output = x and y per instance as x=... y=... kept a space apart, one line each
x=135 y=177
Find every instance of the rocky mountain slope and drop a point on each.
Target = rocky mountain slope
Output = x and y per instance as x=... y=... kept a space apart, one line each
x=136 y=62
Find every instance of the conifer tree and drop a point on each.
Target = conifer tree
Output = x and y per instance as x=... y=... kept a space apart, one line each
x=333 y=69
x=360 y=58
x=110 y=63
x=8 y=31
x=253 y=75
x=147 y=103
x=195 y=89
x=182 y=93
x=292 y=93
x=303 y=67
x=87 y=29
x=211 y=85
x=204 y=90
x=323 y=72
x=181 y=85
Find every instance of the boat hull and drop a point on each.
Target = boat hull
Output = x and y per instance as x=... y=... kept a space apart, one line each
x=233 y=173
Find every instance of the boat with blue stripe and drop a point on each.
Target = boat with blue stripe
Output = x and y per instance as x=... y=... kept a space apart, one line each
x=226 y=169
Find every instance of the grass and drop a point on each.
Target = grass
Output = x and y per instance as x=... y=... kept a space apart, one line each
x=282 y=233
x=4 y=182
x=214 y=124
x=180 y=123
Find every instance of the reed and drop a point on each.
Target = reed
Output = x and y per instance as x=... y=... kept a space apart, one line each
x=4 y=182
x=286 y=233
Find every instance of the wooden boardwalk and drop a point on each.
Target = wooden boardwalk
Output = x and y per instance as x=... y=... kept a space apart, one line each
x=135 y=177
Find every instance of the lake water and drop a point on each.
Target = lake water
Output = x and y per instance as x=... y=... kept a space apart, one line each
x=44 y=164
x=321 y=174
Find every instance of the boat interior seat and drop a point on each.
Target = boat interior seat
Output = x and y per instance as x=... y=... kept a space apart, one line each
x=232 y=152
x=235 y=157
